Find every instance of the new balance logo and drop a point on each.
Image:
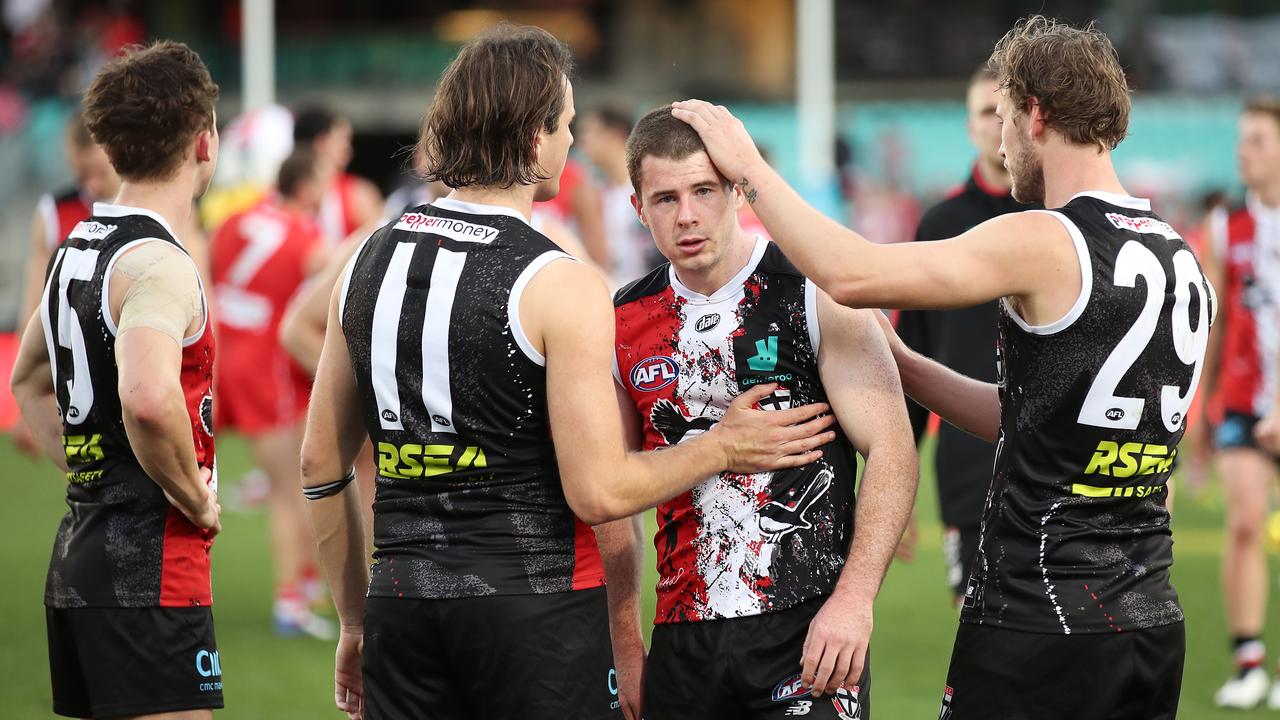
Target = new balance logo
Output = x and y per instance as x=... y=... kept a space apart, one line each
x=766 y=357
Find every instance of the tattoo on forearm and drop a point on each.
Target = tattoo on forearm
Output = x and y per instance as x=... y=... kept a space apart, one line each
x=750 y=191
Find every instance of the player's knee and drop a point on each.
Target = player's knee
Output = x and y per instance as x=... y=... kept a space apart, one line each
x=1245 y=528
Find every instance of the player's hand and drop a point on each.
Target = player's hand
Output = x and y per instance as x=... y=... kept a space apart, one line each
x=208 y=514
x=906 y=551
x=348 y=682
x=835 y=650
x=628 y=661
x=757 y=440
x=728 y=143
x=1267 y=433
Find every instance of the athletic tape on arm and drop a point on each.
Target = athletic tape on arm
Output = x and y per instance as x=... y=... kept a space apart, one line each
x=165 y=294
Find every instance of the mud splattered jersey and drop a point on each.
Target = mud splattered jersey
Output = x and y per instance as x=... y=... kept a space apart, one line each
x=1075 y=535
x=735 y=545
x=122 y=544
x=454 y=397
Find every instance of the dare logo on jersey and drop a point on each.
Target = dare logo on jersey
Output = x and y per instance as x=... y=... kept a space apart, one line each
x=654 y=373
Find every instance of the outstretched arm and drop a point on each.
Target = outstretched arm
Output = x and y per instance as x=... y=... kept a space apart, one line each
x=567 y=310
x=1027 y=256
x=858 y=375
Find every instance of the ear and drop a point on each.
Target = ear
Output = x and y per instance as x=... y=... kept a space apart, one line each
x=635 y=203
x=204 y=146
x=1036 y=118
x=739 y=197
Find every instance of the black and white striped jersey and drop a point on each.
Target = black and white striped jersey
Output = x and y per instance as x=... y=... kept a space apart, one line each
x=453 y=395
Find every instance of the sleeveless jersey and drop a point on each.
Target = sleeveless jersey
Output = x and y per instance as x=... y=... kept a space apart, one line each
x=735 y=545
x=60 y=213
x=1247 y=243
x=1075 y=535
x=122 y=544
x=469 y=500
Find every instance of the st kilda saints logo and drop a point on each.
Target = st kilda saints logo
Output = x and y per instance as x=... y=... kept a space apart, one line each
x=846 y=703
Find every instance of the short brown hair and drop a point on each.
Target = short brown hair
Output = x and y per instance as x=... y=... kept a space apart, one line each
x=146 y=106
x=296 y=169
x=659 y=134
x=1264 y=105
x=501 y=89
x=1075 y=75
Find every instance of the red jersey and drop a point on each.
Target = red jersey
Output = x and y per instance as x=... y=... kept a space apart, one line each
x=259 y=260
x=60 y=212
x=337 y=213
x=1247 y=242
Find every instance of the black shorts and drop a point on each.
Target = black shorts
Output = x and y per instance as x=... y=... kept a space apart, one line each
x=999 y=674
x=106 y=662
x=501 y=656
x=742 y=668
x=959 y=551
x=1236 y=431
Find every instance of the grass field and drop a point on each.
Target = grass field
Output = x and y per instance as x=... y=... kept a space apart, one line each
x=270 y=677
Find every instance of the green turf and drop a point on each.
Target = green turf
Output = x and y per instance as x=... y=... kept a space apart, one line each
x=270 y=677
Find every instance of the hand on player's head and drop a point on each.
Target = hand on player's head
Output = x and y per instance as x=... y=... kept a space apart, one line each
x=728 y=143
x=758 y=440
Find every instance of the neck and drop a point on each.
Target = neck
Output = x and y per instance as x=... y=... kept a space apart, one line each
x=293 y=205
x=516 y=197
x=1074 y=169
x=994 y=175
x=170 y=199
x=708 y=281
x=1268 y=194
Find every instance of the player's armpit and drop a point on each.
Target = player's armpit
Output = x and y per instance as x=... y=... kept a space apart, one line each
x=160 y=291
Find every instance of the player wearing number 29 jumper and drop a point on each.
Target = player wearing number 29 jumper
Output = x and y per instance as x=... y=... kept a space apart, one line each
x=476 y=355
x=1105 y=317
x=115 y=374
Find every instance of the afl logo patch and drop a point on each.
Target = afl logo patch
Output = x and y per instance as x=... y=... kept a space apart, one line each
x=654 y=373
x=706 y=322
x=206 y=414
x=1115 y=414
x=390 y=416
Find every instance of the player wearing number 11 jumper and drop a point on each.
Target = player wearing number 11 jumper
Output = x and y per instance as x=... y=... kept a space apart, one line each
x=1104 y=321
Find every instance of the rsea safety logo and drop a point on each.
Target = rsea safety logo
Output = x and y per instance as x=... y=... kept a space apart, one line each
x=654 y=373
x=1131 y=459
x=412 y=460
x=208 y=665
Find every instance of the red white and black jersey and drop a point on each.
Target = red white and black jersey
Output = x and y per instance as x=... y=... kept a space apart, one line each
x=1075 y=535
x=60 y=212
x=122 y=544
x=454 y=397
x=735 y=545
x=1247 y=243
